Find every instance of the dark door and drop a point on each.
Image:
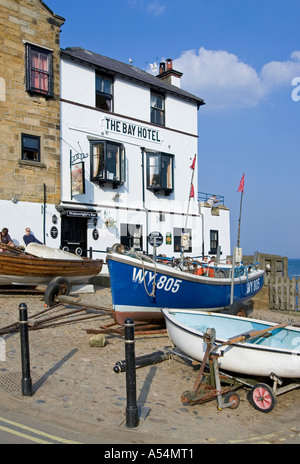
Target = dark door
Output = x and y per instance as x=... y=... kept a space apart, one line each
x=74 y=235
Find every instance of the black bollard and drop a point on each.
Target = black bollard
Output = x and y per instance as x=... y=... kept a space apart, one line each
x=26 y=379
x=132 y=419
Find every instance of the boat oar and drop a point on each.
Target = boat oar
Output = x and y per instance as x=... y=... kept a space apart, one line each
x=252 y=334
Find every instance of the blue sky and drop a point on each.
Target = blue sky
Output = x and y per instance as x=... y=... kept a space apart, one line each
x=243 y=58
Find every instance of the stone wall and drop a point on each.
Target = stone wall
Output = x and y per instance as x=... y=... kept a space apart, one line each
x=30 y=21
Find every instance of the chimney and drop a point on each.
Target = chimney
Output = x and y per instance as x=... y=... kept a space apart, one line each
x=162 y=68
x=169 y=64
x=169 y=75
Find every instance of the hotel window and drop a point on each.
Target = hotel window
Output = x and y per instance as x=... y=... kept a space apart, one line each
x=30 y=146
x=132 y=236
x=157 y=109
x=182 y=238
x=104 y=95
x=214 y=241
x=160 y=172
x=39 y=70
x=107 y=162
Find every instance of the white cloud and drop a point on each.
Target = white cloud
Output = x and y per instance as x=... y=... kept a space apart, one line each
x=225 y=82
x=155 y=9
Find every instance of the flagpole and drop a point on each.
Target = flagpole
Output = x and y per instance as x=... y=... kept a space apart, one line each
x=238 y=240
x=188 y=207
x=241 y=189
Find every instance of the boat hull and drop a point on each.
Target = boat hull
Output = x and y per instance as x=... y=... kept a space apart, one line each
x=24 y=269
x=278 y=354
x=133 y=297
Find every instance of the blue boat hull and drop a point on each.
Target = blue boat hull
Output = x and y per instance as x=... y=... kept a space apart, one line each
x=134 y=296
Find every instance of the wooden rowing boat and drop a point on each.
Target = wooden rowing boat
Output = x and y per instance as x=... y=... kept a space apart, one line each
x=22 y=267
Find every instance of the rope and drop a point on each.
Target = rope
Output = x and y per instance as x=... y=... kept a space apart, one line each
x=143 y=259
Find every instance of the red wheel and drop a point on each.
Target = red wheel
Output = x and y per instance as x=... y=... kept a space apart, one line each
x=262 y=397
x=234 y=398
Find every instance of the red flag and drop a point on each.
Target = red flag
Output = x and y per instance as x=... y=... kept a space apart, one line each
x=241 y=186
x=192 y=193
x=193 y=163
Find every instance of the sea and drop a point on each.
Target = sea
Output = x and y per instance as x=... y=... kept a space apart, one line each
x=294 y=268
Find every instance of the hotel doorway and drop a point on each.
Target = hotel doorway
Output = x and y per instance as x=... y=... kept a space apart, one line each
x=74 y=235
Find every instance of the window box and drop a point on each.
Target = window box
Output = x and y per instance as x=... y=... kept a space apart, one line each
x=107 y=163
x=160 y=172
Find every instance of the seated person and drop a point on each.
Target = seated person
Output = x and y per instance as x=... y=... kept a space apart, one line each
x=30 y=238
x=5 y=238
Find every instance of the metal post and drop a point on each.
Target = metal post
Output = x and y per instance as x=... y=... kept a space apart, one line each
x=26 y=379
x=232 y=275
x=154 y=249
x=132 y=419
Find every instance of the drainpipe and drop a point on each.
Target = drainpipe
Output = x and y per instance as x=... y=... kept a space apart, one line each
x=202 y=221
x=143 y=195
x=44 y=218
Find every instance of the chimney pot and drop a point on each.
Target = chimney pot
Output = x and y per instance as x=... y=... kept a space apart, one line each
x=169 y=64
x=162 y=68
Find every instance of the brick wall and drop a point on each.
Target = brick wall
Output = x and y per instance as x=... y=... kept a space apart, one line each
x=21 y=112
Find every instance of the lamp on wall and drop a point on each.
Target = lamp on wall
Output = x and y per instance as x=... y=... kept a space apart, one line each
x=54 y=219
x=95 y=220
x=116 y=197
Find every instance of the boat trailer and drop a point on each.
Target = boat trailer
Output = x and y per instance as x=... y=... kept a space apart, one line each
x=56 y=297
x=223 y=386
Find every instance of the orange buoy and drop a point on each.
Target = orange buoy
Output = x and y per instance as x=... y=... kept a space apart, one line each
x=211 y=272
x=200 y=270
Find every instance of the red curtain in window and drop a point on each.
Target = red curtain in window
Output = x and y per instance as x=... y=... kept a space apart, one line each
x=39 y=71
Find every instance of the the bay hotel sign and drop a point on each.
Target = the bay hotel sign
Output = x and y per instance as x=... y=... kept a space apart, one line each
x=133 y=130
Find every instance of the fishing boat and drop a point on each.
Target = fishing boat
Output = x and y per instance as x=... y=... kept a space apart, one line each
x=141 y=286
x=246 y=346
x=39 y=264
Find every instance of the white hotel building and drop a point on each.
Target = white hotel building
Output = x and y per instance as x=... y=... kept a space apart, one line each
x=128 y=140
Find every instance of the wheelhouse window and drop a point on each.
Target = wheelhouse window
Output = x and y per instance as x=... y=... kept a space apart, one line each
x=39 y=70
x=214 y=241
x=182 y=239
x=30 y=146
x=104 y=93
x=108 y=162
x=160 y=172
x=132 y=236
x=157 y=108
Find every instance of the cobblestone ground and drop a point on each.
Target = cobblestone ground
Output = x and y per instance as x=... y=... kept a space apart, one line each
x=74 y=383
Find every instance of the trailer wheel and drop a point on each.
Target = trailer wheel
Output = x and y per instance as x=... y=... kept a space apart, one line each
x=52 y=292
x=241 y=312
x=262 y=397
x=63 y=283
x=232 y=397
